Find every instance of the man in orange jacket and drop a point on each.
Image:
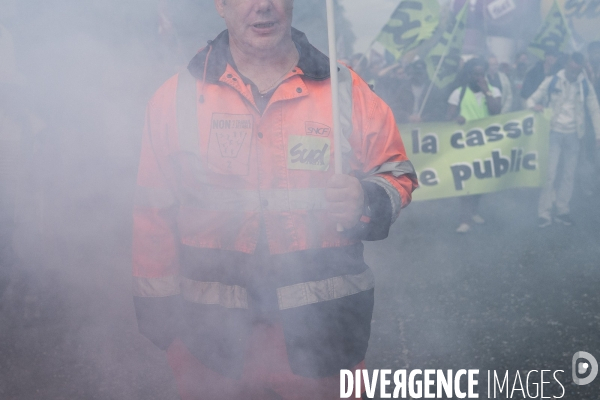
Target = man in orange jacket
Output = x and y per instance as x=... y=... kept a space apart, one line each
x=239 y=270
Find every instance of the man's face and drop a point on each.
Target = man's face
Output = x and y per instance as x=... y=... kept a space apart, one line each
x=257 y=24
x=477 y=75
x=572 y=71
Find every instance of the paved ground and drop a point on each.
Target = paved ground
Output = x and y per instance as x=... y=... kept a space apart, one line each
x=506 y=297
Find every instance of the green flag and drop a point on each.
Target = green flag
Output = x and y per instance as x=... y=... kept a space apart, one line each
x=554 y=34
x=412 y=22
x=443 y=60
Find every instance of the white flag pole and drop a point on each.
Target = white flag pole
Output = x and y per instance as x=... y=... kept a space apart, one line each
x=335 y=101
x=333 y=71
x=435 y=74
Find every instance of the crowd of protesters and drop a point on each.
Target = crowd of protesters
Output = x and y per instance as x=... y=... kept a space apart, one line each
x=569 y=84
x=400 y=86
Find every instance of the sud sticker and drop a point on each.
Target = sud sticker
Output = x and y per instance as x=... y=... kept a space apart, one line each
x=308 y=153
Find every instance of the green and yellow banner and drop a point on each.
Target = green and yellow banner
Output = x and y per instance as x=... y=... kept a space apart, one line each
x=583 y=16
x=444 y=58
x=554 y=34
x=484 y=156
x=413 y=22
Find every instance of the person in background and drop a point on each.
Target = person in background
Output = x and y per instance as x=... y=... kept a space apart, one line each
x=506 y=69
x=499 y=79
x=406 y=99
x=376 y=63
x=552 y=63
x=388 y=85
x=473 y=99
x=518 y=73
x=568 y=93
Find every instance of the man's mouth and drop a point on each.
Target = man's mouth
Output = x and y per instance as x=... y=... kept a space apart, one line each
x=264 y=25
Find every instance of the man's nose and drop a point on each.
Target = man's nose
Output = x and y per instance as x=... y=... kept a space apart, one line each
x=263 y=5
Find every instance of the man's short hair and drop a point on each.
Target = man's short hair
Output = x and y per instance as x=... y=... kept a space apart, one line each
x=577 y=58
x=473 y=63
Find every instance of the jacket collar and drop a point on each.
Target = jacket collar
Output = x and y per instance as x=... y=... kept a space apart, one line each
x=313 y=63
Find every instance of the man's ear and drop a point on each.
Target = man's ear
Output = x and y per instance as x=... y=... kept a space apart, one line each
x=220 y=4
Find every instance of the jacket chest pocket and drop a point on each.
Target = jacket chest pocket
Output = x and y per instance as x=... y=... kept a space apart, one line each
x=229 y=144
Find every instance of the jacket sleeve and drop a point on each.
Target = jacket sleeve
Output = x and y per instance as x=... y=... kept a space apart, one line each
x=155 y=244
x=594 y=109
x=540 y=95
x=379 y=159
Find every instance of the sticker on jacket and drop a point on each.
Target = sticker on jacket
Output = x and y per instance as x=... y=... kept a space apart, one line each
x=316 y=129
x=229 y=143
x=308 y=153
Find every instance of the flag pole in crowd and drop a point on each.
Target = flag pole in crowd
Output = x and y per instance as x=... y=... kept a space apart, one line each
x=452 y=39
x=335 y=101
x=430 y=88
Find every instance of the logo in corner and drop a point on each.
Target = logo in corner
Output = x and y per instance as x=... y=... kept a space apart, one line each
x=317 y=129
x=582 y=363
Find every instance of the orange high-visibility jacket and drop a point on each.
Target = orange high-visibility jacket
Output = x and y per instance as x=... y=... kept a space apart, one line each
x=214 y=186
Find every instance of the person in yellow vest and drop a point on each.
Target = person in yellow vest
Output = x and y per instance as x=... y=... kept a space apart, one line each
x=473 y=99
